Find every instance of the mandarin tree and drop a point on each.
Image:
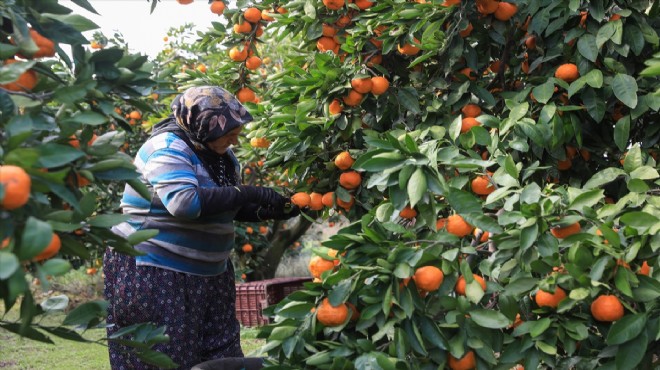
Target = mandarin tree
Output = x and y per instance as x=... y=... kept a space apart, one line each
x=418 y=141
x=65 y=114
x=565 y=134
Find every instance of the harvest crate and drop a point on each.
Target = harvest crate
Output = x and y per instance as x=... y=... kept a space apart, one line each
x=254 y=296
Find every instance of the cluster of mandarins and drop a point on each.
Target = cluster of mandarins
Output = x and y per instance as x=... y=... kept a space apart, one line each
x=349 y=180
x=360 y=86
x=28 y=79
x=250 y=27
x=17 y=185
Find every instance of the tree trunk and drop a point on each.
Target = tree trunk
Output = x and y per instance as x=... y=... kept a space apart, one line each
x=280 y=240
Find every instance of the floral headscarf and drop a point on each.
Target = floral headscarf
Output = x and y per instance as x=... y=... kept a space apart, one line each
x=206 y=113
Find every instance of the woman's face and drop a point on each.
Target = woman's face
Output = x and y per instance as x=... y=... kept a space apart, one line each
x=223 y=143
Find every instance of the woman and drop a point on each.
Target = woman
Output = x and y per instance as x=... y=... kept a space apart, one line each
x=184 y=278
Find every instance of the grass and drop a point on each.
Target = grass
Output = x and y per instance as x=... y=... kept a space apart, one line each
x=23 y=353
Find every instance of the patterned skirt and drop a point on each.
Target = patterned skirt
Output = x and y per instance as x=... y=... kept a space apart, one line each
x=198 y=311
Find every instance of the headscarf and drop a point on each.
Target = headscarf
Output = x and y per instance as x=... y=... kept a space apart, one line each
x=203 y=114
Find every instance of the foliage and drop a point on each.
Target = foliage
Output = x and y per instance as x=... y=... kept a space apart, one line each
x=557 y=150
x=67 y=132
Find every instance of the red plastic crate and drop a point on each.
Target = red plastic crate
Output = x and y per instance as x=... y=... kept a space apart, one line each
x=253 y=297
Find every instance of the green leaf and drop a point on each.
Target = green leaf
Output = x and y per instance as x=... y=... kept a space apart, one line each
x=417 y=186
x=625 y=89
x=89 y=118
x=463 y=201
x=108 y=220
x=530 y=194
x=622 y=281
x=604 y=34
x=645 y=173
x=639 y=220
x=86 y=313
x=587 y=199
x=8 y=264
x=36 y=236
x=604 y=177
x=538 y=327
x=587 y=47
x=622 y=132
x=409 y=98
x=78 y=22
x=141 y=236
x=627 y=328
x=489 y=318
x=55 y=155
x=631 y=353
x=543 y=93
x=55 y=267
x=594 y=78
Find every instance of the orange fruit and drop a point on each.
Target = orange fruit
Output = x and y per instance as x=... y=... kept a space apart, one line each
x=409 y=49
x=458 y=226
x=26 y=81
x=259 y=142
x=315 y=201
x=441 y=223
x=484 y=235
x=252 y=15
x=343 y=21
x=487 y=6
x=376 y=59
x=247 y=248
x=245 y=94
x=318 y=266
x=5 y=243
x=282 y=10
x=467 y=31
x=244 y=27
x=17 y=184
x=344 y=161
x=645 y=269
x=249 y=230
x=327 y=199
x=565 y=164
x=505 y=11
x=545 y=299
x=379 y=85
x=428 y=278
x=346 y=205
x=95 y=44
x=46 y=46
x=471 y=110
x=364 y=4
x=567 y=72
x=467 y=123
x=253 y=62
x=325 y=43
x=237 y=55
x=335 y=107
x=481 y=185
x=467 y=362
x=334 y=4
x=51 y=249
x=330 y=315
x=408 y=213
x=301 y=199
x=184 y=2
x=530 y=42
x=353 y=98
x=263 y=229
x=468 y=72
x=217 y=7
x=361 y=85
x=92 y=271
x=350 y=180
x=329 y=30
x=266 y=15
x=566 y=231
x=461 y=284
x=607 y=308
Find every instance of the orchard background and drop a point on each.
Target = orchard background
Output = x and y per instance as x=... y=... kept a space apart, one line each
x=497 y=161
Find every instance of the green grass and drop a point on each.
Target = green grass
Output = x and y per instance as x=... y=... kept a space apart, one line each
x=23 y=353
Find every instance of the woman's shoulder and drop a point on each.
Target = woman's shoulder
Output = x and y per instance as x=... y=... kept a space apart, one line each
x=167 y=140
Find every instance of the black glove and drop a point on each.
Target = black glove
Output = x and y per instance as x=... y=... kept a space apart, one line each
x=279 y=213
x=218 y=199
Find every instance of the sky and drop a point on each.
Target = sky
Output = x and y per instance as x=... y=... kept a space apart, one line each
x=142 y=30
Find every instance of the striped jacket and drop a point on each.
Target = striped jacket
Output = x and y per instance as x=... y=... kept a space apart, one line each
x=187 y=241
